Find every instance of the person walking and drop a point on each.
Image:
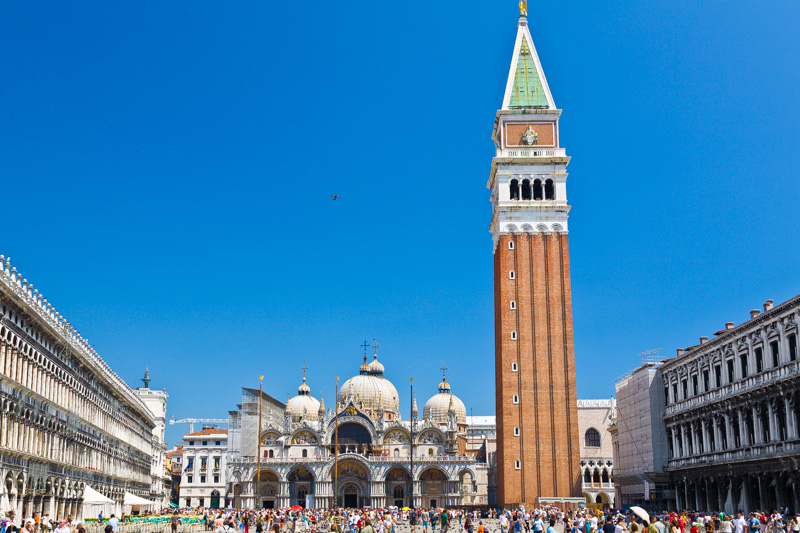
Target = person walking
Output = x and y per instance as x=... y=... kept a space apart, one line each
x=174 y=521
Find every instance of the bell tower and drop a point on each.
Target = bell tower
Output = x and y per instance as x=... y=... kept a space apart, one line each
x=538 y=451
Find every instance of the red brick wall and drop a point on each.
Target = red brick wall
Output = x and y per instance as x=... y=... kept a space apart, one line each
x=547 y=414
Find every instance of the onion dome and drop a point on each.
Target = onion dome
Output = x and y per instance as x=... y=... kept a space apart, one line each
x=441 y=404
x=302 y=406
x=376 y=368
x=370 y=387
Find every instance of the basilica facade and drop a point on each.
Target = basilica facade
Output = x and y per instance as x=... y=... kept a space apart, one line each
x=360 y=453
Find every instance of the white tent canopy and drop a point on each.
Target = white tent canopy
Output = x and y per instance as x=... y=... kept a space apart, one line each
x=133 y=499
x=94 y=503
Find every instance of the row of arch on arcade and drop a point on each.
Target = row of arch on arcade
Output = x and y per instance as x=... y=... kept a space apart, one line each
x=29 y=494
x=600 y=498
x=354 y=486
x=532 y=190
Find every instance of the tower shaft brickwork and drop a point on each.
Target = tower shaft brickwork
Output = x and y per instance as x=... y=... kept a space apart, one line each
x=538 y=450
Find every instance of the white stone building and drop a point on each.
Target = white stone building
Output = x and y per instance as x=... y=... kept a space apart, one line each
x=67 y=421
x=639 y=441
x=381 y=460
x=156 y=402
x=595 y=418
x=733 y=404
x=204 y=468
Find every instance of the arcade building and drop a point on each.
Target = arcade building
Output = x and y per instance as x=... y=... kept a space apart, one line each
x=382 y=460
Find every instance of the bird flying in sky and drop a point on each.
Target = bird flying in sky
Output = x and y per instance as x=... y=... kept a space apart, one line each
x=334 y=196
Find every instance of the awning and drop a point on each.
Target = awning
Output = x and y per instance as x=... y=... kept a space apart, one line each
x=92 y=497
x=133 y=499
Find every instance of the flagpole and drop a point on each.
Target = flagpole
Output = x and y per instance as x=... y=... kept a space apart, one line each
x=411 y=490
x=258 y=482
x=336 y=451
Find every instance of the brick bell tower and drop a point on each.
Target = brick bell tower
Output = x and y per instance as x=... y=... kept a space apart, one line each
x=538 y=451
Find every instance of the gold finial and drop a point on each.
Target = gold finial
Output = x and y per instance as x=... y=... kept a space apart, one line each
x=523 y=8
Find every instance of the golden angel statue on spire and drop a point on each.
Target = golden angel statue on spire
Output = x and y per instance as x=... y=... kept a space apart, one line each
x=523 y=8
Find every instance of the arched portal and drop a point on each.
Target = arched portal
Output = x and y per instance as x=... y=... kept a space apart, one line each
x=351 y=473
x=398 y=485
x=214 y=499
x=267 y=488
x=301 y=486
x=434 y=487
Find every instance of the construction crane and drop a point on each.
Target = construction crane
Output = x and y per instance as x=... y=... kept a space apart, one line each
x=193 y=421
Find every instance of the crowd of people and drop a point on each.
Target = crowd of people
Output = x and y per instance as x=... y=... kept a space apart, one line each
x=433 y=520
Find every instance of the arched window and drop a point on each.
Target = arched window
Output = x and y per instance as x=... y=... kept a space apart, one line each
x=537 y=190
x=549 y=190
x=305 y=453
x=271 y=454
x=605 y=476
x=514 y=190
x=596 y=477
x=396 y=452
x=587 y=477
x=592 y=438
x=526 y=190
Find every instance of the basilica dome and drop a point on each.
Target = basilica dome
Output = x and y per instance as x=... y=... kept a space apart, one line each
x=303 y=406
x=370 y=387
x=440 y=404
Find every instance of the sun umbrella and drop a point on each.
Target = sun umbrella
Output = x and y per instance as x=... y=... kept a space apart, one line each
x=406 y=508
x=641 y=513
x=297 y=508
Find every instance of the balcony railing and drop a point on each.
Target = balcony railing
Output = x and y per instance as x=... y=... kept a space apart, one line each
x=532 y=152
x=751 y=382
x=724 y=457
x=373 y=459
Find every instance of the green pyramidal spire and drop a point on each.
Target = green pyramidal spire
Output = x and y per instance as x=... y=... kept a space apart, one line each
x=527 y=90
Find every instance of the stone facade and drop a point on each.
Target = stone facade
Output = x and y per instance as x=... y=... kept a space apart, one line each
x=537 y=422
x=732 y=413
x=160 y=480
x=639 y=440
x=204 y=459
x=595 y=418
x=67 y=421
x=380 y=459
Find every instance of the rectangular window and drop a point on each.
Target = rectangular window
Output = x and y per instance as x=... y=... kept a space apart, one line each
x=666 y=395
x=517 y=465
x=188 y=502
x=685 y=386
x=202 y=463
x=792 y=347
x=731 y=377
x=188 y=479
x=216 y=479
x=776 y=359
x=202 y=479
x=202 y=502
x=718 y=375
x=695 y=392
x=674 y=392
x=743 y=363
x=216 y=463
x=706 y=384
x=205 y=443
x=219 y=442
x=759 y=360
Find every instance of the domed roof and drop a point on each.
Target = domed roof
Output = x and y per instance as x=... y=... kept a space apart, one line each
x=303 y=405
x=375 y=367
x=440 y=404
x=370 y=387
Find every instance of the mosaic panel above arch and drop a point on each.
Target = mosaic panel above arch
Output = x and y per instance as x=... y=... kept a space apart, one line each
x=270 y=438
x=396 y=436
x=430 y=437
x=304 y=437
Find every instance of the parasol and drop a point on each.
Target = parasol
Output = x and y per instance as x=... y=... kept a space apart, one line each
x=641 y=513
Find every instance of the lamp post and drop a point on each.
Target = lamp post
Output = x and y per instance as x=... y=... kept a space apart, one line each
x=260 y=395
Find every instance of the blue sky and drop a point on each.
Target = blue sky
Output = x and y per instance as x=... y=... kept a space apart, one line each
x=167 y=170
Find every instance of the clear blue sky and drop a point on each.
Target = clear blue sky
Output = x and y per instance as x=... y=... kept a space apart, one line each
x=167 y=168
